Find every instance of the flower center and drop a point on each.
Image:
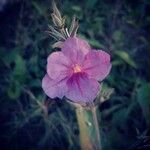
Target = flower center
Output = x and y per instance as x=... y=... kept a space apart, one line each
x=77 y=69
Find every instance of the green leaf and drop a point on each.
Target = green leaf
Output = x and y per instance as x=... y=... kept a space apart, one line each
x=10 y=57
x=14 y=90
x=76 y=8
x=117 y=62
x=126 y=58
x=95 y=43
x=19 y=71
x=143 y=97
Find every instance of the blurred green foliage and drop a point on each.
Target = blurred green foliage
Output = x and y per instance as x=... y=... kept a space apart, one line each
x=35 y=121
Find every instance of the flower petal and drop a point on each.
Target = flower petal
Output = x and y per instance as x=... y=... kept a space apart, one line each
x=58 y=66
x=75 y=48
x=81 y=88
x=97 y=64
x=52 y=88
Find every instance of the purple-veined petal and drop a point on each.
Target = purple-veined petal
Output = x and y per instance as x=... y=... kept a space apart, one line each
x=97 y=64
x=81 y=88
x=54 y=88
x=75 y=49
x=58 y=66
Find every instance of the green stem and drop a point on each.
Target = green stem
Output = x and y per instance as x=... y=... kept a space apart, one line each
x=84 y=137
x=89 y=129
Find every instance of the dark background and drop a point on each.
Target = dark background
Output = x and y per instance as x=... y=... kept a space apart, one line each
x=31 y=121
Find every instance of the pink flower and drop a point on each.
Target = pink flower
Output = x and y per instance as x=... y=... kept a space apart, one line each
x=75 y=71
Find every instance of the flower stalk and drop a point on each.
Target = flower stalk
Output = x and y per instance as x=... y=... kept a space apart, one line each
x=89 y=128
